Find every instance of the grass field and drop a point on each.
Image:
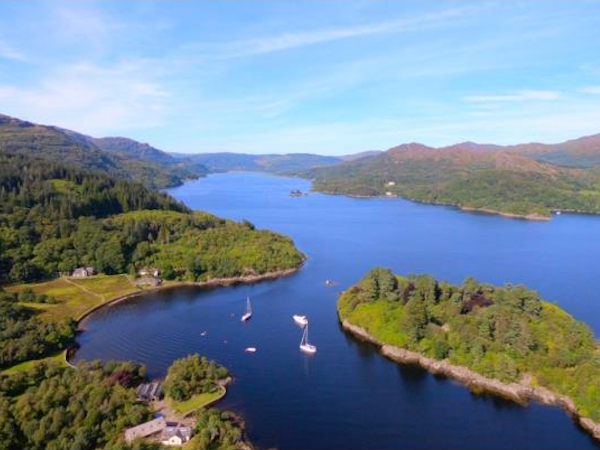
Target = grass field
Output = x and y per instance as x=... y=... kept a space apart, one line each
x=108 y=287
x=77 y=296
x=58 y=359
x=197 y=401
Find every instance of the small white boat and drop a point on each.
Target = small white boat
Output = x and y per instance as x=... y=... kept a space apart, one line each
x=304 y=345
x=300 y=320
x=204 y=333
x=248 y=312
x=558 y=213
x=250 y=350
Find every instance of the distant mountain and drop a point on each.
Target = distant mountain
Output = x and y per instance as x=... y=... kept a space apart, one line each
x=126 y=148
x=583 y=152
x=516 y=180
x=290 y=163
x=134 y=149
x=120 y=157
x=360 y=155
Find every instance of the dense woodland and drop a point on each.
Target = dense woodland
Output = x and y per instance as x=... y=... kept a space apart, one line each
x=217 y=430
x=58 y=408
x=25 y=336
x=191 y=376
x=52 y=408
x=54 y=219
x=501 y=332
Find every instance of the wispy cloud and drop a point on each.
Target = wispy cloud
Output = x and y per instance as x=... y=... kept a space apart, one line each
x=595 y=90
x=293 y=40
x=7 y=51
x=517 y=96
x=91 y=98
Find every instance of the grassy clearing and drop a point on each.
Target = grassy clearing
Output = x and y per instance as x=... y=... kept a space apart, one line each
x=60 y=288
x=108 y=287
x=197 y=401
x=78 y=296
x=58 y=359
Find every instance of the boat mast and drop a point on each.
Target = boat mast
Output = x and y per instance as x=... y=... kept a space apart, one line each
x=304 y=340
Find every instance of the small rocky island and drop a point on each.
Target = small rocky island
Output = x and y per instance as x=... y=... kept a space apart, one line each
x=500 y=340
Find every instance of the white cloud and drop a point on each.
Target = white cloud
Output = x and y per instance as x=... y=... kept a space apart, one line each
x=517 y=96
x=591 y=90
x=91 y=98
x=292 y=40
x=7 y=51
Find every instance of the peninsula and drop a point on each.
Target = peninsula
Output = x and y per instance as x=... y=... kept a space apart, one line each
x=72 y=239
x=501 y=340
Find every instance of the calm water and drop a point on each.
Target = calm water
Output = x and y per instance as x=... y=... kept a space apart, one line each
x=347 y=396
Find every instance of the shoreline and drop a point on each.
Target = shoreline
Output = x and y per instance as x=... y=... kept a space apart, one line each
x=521 y=392
x=68 y=353
x=533 y=216
x=212 y=282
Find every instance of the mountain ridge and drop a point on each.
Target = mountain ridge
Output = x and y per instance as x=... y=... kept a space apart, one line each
x=120 y=157
x=522 y=180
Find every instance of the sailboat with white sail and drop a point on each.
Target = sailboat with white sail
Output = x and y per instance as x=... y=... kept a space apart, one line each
x=248 y=312
x=304 y=344
x=301 y=321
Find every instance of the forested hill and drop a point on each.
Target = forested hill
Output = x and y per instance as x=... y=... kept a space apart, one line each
x=119 y=157
x=55 y=218
x=467 y=175
x=289 y=163
x=506 y=333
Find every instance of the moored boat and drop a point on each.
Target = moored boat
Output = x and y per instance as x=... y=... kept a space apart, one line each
x=248 y=312
x=304 y=344
x=300 y=320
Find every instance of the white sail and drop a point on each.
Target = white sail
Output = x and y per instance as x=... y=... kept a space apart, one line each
x=248 y=312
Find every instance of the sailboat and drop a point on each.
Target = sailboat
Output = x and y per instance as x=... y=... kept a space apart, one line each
x=304 y=345
x=248 y=312
x=300 y=320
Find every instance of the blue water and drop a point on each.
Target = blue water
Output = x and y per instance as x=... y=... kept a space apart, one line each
x=348 y=396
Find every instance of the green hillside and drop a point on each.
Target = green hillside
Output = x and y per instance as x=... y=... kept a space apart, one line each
x=80 y=151
x=494 y=181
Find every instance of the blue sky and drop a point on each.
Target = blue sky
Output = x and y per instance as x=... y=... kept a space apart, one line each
x=324 y=77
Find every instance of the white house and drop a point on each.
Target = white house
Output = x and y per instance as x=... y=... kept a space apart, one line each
x=145 y=272
x=82 y=272
x=175 y=436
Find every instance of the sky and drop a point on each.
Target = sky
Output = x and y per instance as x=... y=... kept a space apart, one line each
x=330 y=77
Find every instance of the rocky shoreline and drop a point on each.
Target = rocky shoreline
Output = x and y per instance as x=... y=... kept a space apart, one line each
x=521 y=392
